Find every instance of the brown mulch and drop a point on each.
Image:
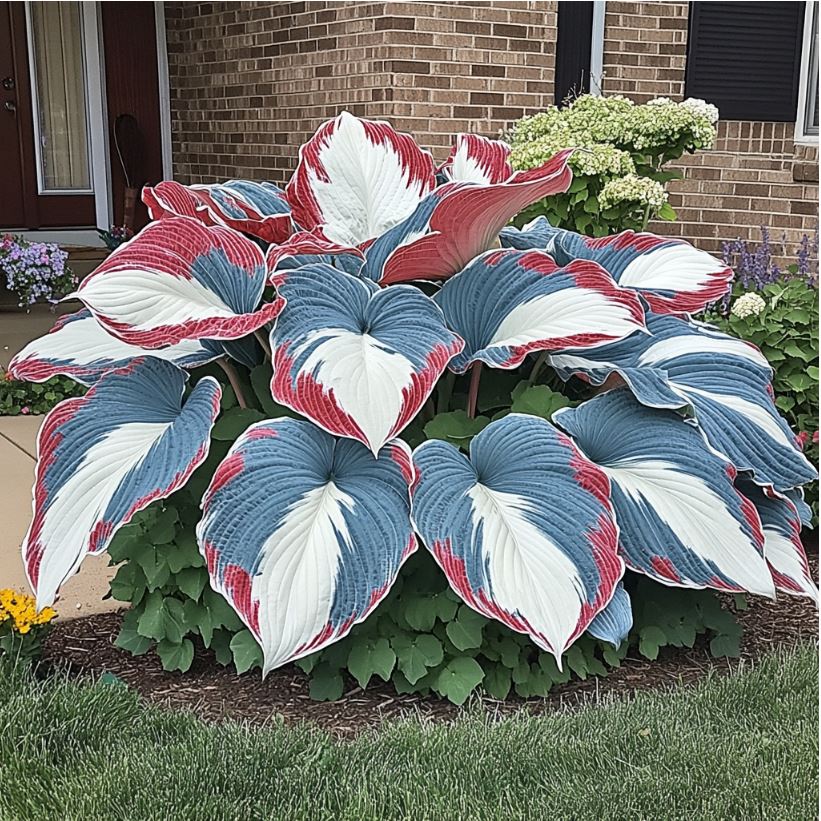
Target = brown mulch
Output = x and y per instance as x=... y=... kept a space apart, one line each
x=214 y=692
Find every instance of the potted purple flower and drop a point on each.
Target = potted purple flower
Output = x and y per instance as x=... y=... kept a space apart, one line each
x=34 y=271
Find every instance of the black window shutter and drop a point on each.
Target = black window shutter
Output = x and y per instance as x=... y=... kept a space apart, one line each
x=573 y=39
x=745 y=58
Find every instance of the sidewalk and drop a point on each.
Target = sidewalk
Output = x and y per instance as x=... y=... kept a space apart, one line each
x=82 y=594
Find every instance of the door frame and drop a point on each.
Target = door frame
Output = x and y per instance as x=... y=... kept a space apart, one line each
x=98 y=118
x=95 y=90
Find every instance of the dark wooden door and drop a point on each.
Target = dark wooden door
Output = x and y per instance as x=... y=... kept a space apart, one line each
x=12 y=191
x=132 y=90
x=29 y=199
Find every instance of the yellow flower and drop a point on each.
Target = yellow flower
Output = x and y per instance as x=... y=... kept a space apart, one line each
x=22 y=610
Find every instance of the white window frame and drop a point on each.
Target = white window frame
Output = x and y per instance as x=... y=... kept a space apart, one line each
x=94 y=77
x=597 y=48
x=809 y=64
x=35 y=109
x=164 y=88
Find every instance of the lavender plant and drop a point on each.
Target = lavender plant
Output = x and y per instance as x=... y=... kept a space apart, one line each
x=35 y=271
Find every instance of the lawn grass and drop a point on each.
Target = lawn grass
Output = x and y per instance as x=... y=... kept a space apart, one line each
x=736 y=747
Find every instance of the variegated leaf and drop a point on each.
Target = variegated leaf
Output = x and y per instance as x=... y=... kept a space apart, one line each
x=681 y=520
x=613 y=624
x=508 y=303
x=357 y=360
x=358 y=178
x=783 y=549
x=523 y=529
x=457 y=222
x=104 y=456
x=304 y=534
x=256 y=208
x=178 y=280
x=672 y=275
x=725 y=381
x=79 y=347
x=304 y=248
x=474 y=158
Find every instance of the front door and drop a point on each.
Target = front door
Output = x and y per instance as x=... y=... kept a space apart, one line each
x=44 y=117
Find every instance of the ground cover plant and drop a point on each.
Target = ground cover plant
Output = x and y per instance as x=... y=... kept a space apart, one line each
x=79 y=750
x=18 y=397
x=292 y=392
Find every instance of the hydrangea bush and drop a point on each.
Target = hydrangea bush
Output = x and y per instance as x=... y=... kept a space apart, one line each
x=372 y=368
x=619 y=177
x=35 y=271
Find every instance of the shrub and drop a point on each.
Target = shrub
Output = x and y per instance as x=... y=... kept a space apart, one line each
x=619 y=177
x=776 y=308
x=536 y=424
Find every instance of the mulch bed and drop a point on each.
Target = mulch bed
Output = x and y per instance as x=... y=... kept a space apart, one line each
x=214 y=692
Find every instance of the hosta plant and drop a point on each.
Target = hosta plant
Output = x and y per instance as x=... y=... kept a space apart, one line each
x=370 y=364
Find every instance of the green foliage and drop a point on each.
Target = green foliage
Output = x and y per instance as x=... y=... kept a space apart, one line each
x=22 y=648
x=786 y=331
x=421 y=638
x=736 y=746
x=24 y=398
x=619 y=177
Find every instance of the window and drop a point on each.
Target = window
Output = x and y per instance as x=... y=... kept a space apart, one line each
x=59 y=97
x=745 y=58
x=806 y=126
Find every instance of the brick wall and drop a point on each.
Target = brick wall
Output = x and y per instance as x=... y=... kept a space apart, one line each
x=645 y=50
x=753 y=176
x=251 y=81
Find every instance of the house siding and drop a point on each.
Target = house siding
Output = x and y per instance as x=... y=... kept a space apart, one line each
x=250 y=82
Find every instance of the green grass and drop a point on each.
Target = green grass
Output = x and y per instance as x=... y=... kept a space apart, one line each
x=740 y=747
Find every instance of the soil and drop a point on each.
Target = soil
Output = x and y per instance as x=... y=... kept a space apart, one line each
x=214 y=692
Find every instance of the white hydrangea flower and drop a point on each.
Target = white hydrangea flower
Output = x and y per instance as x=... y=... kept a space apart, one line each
x=660 y=101
x=748 y=305
x=701 y=108
x=632 y=188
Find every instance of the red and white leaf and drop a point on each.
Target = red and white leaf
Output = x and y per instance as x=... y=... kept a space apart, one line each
x=459 y=222
x=78 y=346
x=178 y=279
x=477 y=159
x=358 y=178
x=256 y=208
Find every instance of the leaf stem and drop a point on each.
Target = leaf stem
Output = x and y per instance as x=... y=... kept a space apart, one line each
x=263 y=341
x=444 y=392
x=233 y=378
x=646 y=219
x=537 y=366
x=473 y=390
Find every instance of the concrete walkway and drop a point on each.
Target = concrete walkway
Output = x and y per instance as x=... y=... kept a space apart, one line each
x=82 y=594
